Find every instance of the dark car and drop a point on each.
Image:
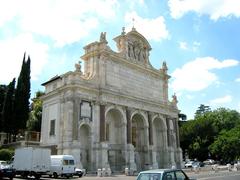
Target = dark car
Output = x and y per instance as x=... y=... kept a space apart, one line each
x=6 y=170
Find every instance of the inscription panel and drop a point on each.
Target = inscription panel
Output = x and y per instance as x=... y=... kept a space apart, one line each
x=133 y=82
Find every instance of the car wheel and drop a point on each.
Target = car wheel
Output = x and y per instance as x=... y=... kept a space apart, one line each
x=55 y=175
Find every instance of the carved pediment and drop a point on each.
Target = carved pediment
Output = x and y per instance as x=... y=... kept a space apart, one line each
x=134 y=46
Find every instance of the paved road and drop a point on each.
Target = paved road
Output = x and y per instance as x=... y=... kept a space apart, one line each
x=223 y=175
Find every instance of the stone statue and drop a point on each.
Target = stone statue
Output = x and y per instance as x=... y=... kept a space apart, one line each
x=136 y=51
x=78 y=67
x=174 y=99
x=142 y=53
x=103 y=37
x=130 y=50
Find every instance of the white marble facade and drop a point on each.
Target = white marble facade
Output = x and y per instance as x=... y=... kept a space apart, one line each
x=116 y=113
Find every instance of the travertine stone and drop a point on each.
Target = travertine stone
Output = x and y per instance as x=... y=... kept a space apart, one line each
x=115 y=113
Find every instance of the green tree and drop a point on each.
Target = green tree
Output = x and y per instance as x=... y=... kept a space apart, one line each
x=8 y=110
x=6 y=154
x=22 y=96
x=198 y=135
x=202 y=109
x=35 y=118
x=227 y=144
x=3 y=91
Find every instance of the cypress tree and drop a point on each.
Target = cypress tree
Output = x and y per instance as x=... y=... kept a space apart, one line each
x=8 y=109
x=3 y=92
x=22 y=96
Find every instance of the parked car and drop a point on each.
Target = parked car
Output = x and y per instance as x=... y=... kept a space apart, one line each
x=197 y=164
x=6 y=170
x=189 y=164
x=209 y=162
x=163 y=174
x=78 y=172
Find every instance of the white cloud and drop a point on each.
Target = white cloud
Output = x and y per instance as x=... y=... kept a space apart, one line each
x=152 y=29
x=62 y=21
x=185 y=46
x=196 y=75
x=12 y=51
x=221 y=100
x=238 y=79
x=190 y=97
x=215 y=8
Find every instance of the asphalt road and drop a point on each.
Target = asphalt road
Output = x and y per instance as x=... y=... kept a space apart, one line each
x=223 y=175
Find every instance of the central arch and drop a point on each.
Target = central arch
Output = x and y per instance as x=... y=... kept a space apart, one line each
x=115 y=136
x=140 y=140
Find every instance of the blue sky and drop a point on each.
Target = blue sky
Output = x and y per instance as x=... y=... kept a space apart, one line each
x=199 y=40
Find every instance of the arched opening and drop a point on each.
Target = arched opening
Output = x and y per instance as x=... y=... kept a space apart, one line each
x=159 y=141
x=85 y=153
x=139 y=141
x=115 y=136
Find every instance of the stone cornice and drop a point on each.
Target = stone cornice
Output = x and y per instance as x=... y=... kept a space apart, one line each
x=114 y=56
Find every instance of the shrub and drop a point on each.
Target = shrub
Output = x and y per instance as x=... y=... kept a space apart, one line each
x=6 y=154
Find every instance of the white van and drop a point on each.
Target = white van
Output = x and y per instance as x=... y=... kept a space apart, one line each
x=62 y=165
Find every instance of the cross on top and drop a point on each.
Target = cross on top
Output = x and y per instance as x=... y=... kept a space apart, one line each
x=133 y=21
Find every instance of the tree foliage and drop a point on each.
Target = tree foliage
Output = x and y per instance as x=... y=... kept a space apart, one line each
x=226 y=146
x=198 y=135
x=14 y=102
x=22 y=95
x=3 y=92
x=35 y=118
x=6 y=154
x=202 y=109
x=8 y=109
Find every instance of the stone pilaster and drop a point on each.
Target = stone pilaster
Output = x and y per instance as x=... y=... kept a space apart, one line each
x=150 y=129
x=76 y=107
x=102 y=123
x=131 y=164
x=129 y=126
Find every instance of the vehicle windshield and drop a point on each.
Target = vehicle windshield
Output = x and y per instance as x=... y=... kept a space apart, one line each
x=71 y=162
x=149 y=176
x=68 y=162
x=3 y=162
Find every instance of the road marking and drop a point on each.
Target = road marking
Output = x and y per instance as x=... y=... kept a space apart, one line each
x=216 y=177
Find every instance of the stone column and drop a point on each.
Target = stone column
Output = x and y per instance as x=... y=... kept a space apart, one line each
x=171 y=145
x=178 y=151
x=61 y=125
x=68 y=126
x=152 y=152
x=95 y=154
x=168 y=159
x=103 y=146
x=150 y=129
x=102 y=123
x=129 y=127
x=177 y=132
x=131 y=165
x=76 y=107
